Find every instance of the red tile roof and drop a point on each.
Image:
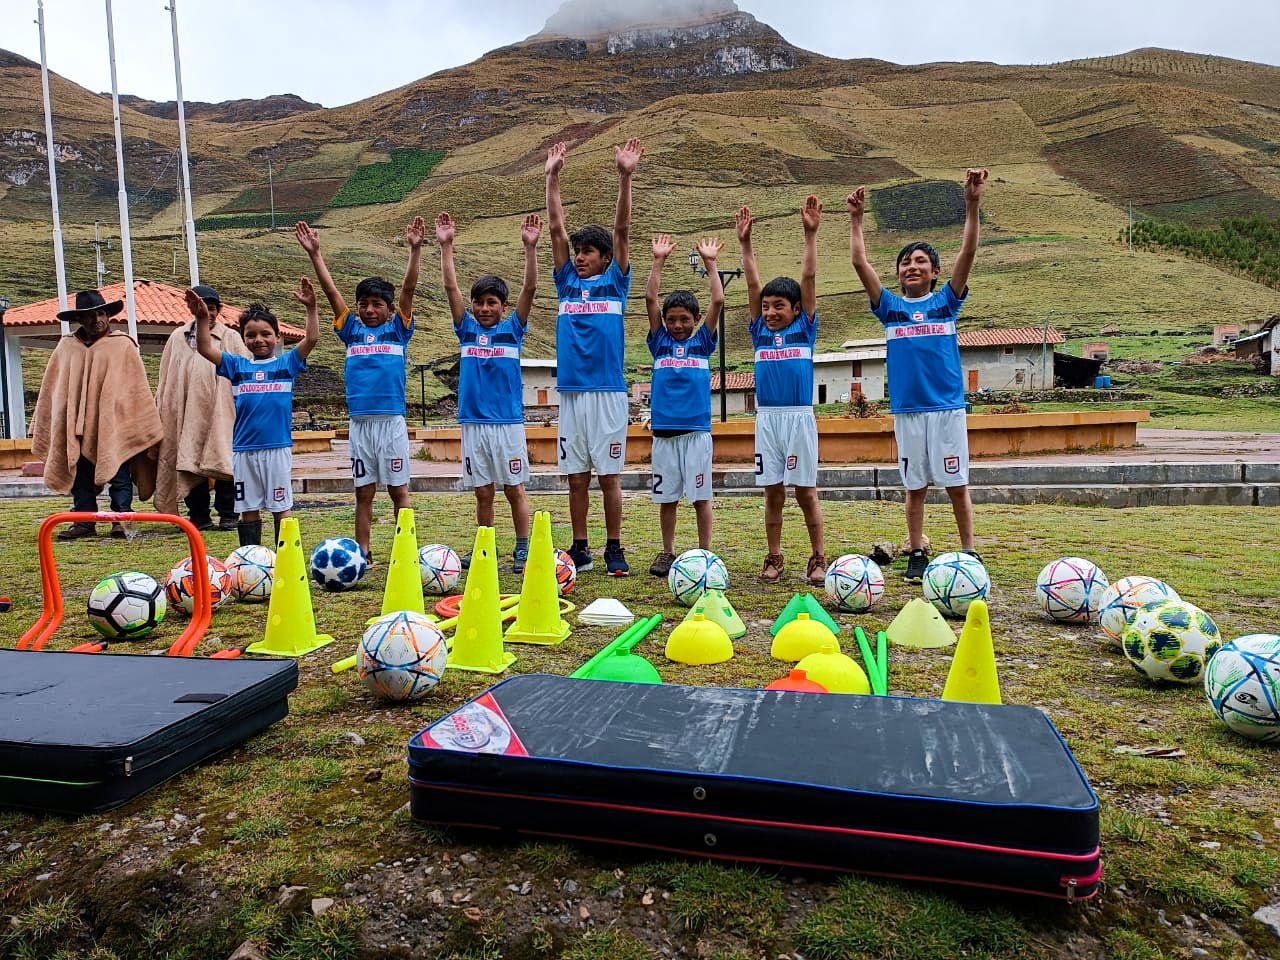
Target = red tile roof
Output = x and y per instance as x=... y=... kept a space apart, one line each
x=157 y=304
x=1008 y=337
x=734 y=381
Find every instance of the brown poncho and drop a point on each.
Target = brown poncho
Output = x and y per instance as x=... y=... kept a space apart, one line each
x=198 y=413
x=95 y=401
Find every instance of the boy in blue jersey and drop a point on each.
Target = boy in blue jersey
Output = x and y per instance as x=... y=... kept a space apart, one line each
x=262 y=387
x=784 y=329
x=680 y=403
x=926 y=382
x=592 y=286
x=490 y=391
x=377 y=342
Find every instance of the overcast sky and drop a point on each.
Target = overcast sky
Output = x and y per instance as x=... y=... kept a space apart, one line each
x=337 y=51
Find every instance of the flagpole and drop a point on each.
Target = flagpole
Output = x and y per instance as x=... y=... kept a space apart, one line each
x=125 y=246
x=193 y=259
x=59 y=264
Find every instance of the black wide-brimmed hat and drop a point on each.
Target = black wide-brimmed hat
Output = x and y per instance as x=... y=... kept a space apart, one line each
x=90 y=301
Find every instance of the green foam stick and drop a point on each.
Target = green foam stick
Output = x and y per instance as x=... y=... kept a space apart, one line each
x=873 y=669
x=882 y=648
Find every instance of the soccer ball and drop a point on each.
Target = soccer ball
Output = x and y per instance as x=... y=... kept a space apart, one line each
x=338 y=563
x=1243 y=686
x=401 y=656
x=954 y=580
x=1171 y=640
x=179 y=587
x=126 y=605
x=566 y=572
x=440 y=567
x=1070 y=590
x=854 y=582
x=693 y=573
x=252 y=568
x=1122 y=599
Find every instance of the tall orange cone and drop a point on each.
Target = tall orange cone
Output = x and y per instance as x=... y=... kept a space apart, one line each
x=404 y=581
x=538 y=617
x=973 y=677
x=477 y=639
x=291 y=623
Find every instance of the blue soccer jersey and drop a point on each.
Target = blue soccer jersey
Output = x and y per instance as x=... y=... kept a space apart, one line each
x=489 y=385
x=784 y=362
x=589 y=334
x=263 y=392
x=681 y=397
x=375 y=369
x=922 y=350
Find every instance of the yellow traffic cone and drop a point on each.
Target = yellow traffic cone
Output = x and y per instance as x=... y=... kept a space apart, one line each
x=291 y=624
x=404 y=581
x=538 y=617
x=833 y=670
x=799 y=638
x=973 y=677
x=699 y=641
x=477 y=639
x=919 y=624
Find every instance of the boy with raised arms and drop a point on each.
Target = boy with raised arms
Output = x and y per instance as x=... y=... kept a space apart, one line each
x=926 y=381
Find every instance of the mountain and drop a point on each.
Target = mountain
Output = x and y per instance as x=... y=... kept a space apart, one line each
x=228 y=111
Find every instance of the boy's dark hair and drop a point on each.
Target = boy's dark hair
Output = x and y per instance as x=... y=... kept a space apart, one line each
x=783 y=287
x=376 y=287
x=911 y=248
x=490 y=284
x=256 y=311
x=593 y=236
x=681 y=298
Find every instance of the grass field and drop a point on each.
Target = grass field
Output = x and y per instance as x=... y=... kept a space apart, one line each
x=1191 y=844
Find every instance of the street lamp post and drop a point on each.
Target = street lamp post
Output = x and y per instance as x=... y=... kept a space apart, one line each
x=695 y=264
x=4 y=370
x=422 y=390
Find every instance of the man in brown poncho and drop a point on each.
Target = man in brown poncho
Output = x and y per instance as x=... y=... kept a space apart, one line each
x=198 y=413
x=95 y=421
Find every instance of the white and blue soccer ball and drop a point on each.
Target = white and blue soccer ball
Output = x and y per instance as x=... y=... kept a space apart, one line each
x=401 y=656
x=954 y=580
x=1171 y=641
x=253 y=572
x=1070 y=590
x=695 y=572
x=440 y=567
x=338 y=563
x=125 y=606
x=1243 y=686
x=854 y=582
x=1121 y=601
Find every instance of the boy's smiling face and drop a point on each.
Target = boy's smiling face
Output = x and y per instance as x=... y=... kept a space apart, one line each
x=488 y=310
x=373 y=311
x=917 y=274
x=778 y=312
x=680 y=322
x=260 y=338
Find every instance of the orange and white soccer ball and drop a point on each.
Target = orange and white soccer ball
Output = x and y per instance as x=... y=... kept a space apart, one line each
x=401 y=656
x=179 y=587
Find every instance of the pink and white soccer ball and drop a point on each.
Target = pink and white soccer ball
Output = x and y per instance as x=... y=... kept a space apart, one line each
x=1122 y=599
x=440 y=567
x=1070 y=590
x=854 y=582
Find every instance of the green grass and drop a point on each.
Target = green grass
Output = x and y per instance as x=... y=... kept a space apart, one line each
x=389 y=181
x=919 y=206
x=253 y=221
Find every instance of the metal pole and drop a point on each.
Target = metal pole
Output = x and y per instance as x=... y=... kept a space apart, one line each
x=59 y=264
x=4 y=375
x=125 y=245
x=271 y=189
x=422 y=393
x=193 y=260
x=99 y=266
x=1044 y=346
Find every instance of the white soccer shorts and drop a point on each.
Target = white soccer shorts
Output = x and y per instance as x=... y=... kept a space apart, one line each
x=592 y=435
x=263 y=479
x=380 y=451
x=786 y=447
x=494 y=453
x=682 y=467
x=933 y=448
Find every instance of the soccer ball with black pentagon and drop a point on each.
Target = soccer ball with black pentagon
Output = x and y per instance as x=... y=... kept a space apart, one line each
x=125 y=606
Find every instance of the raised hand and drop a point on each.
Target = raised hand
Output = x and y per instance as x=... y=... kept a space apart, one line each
x=415 y=233
x=811 y=214
x=628 y=156
x=857 y=202
x=444 y=229
x=742 y=223
x=663 y=245
x=198 y=308
x=306 y=293
x=308 y=238
x=555 y=157
x=975 y=180
x=531 y=230
x=709 y=248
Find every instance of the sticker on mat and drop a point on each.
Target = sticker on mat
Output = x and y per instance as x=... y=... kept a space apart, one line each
x=478 y=727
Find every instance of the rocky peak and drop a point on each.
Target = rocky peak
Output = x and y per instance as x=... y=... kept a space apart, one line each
x=593 y=19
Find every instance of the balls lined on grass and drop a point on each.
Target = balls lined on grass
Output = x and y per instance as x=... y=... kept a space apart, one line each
x=126 y=605
x=401 y=656
x=1242 y=683
x=566 y=572
x=854 y=582
x=954 y=580
x=338 y=563
x=1070 y=590
x=1171 y=641
x=180 y=586
x=440 y=567
x=253 y=571
x=693 y=573
x=1121 y=601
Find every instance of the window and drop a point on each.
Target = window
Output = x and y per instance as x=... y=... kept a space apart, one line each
x=1008 y=351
